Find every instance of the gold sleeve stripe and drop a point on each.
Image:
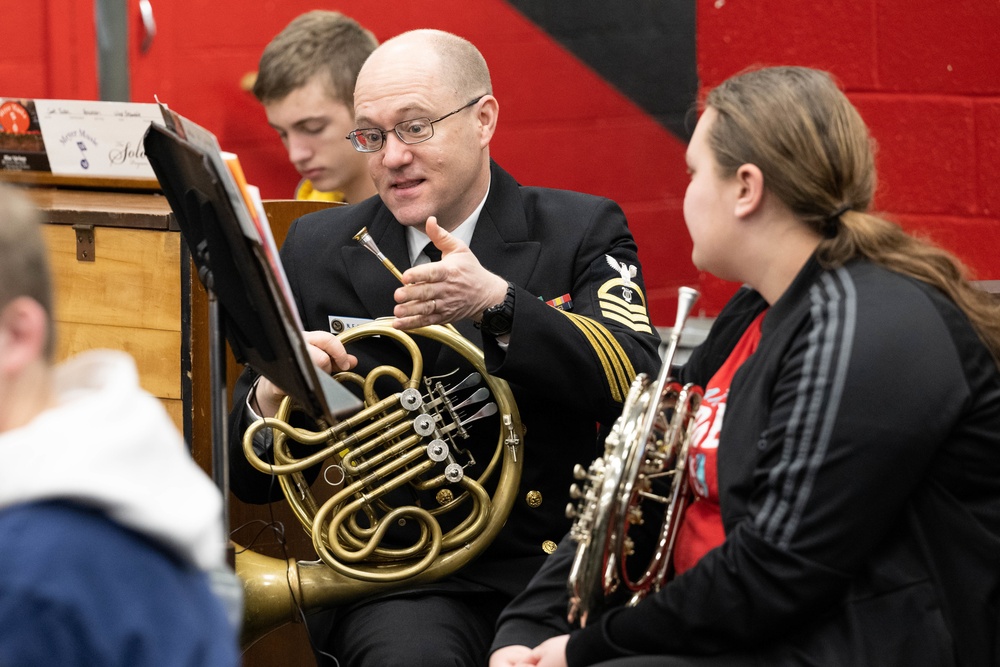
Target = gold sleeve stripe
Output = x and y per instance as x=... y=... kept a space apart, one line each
x=580 y=322
x=624 y=374
x=617 y=366
x=627 y=373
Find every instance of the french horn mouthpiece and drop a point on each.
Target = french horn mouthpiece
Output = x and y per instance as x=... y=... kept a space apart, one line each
x=365 y=239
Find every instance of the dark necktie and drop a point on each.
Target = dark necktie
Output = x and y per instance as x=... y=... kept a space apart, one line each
x=433 y=253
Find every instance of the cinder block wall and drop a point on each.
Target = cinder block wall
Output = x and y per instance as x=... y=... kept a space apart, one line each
x=925 y=76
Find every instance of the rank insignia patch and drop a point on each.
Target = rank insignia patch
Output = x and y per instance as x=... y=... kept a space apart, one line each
x=621 y=300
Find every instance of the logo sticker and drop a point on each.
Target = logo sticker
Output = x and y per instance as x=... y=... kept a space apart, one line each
x=340 y=324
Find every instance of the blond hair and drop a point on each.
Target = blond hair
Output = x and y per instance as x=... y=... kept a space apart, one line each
x=317 y=43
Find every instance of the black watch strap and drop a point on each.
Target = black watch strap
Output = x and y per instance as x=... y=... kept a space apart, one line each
x=499 y=319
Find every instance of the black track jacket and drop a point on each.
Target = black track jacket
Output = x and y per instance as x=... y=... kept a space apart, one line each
x=859 y=475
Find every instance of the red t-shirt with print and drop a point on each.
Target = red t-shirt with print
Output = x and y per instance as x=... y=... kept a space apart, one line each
x=701 y=528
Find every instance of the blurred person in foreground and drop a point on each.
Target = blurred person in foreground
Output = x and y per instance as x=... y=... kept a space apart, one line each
x=113 y=547
x=846 y=458
x=305 y=81
x=547 y=283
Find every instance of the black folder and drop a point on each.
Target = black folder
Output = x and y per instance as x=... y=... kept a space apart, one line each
x=260 y=323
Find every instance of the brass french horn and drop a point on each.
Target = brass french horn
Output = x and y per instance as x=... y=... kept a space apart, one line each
x=411 y=438
x=648 y=441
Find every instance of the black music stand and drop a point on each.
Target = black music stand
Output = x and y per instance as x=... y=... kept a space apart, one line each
x=246 y=303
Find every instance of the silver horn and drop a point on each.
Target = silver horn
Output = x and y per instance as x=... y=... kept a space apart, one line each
x=648 y=441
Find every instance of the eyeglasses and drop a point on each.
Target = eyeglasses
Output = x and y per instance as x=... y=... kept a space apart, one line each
x=413 y=131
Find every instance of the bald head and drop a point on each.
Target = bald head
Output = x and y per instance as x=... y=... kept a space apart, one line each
x=455 y=64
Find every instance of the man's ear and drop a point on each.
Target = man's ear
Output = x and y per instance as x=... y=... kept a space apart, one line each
x=751 y=190
x=488 y=112
x=24 y=330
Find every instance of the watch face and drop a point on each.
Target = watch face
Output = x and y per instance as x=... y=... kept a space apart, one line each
x=499 y=324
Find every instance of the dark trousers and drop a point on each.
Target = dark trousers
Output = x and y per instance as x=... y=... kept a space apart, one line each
x=427 y=630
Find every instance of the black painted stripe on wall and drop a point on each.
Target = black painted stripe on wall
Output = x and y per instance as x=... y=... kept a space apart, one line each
x=644 y=48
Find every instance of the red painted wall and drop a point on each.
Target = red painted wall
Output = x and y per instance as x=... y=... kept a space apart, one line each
x=925 y=76
x=48 y=49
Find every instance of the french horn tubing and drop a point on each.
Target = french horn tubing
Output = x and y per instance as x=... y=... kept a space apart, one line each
x=647 y=442
x=411 y=438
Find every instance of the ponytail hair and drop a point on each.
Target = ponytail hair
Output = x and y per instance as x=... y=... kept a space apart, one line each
x=818 y=158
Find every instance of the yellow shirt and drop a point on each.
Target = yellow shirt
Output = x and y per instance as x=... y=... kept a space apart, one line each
x=305 y=191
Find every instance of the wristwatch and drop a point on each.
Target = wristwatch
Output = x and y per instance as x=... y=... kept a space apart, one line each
x=498 y=320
